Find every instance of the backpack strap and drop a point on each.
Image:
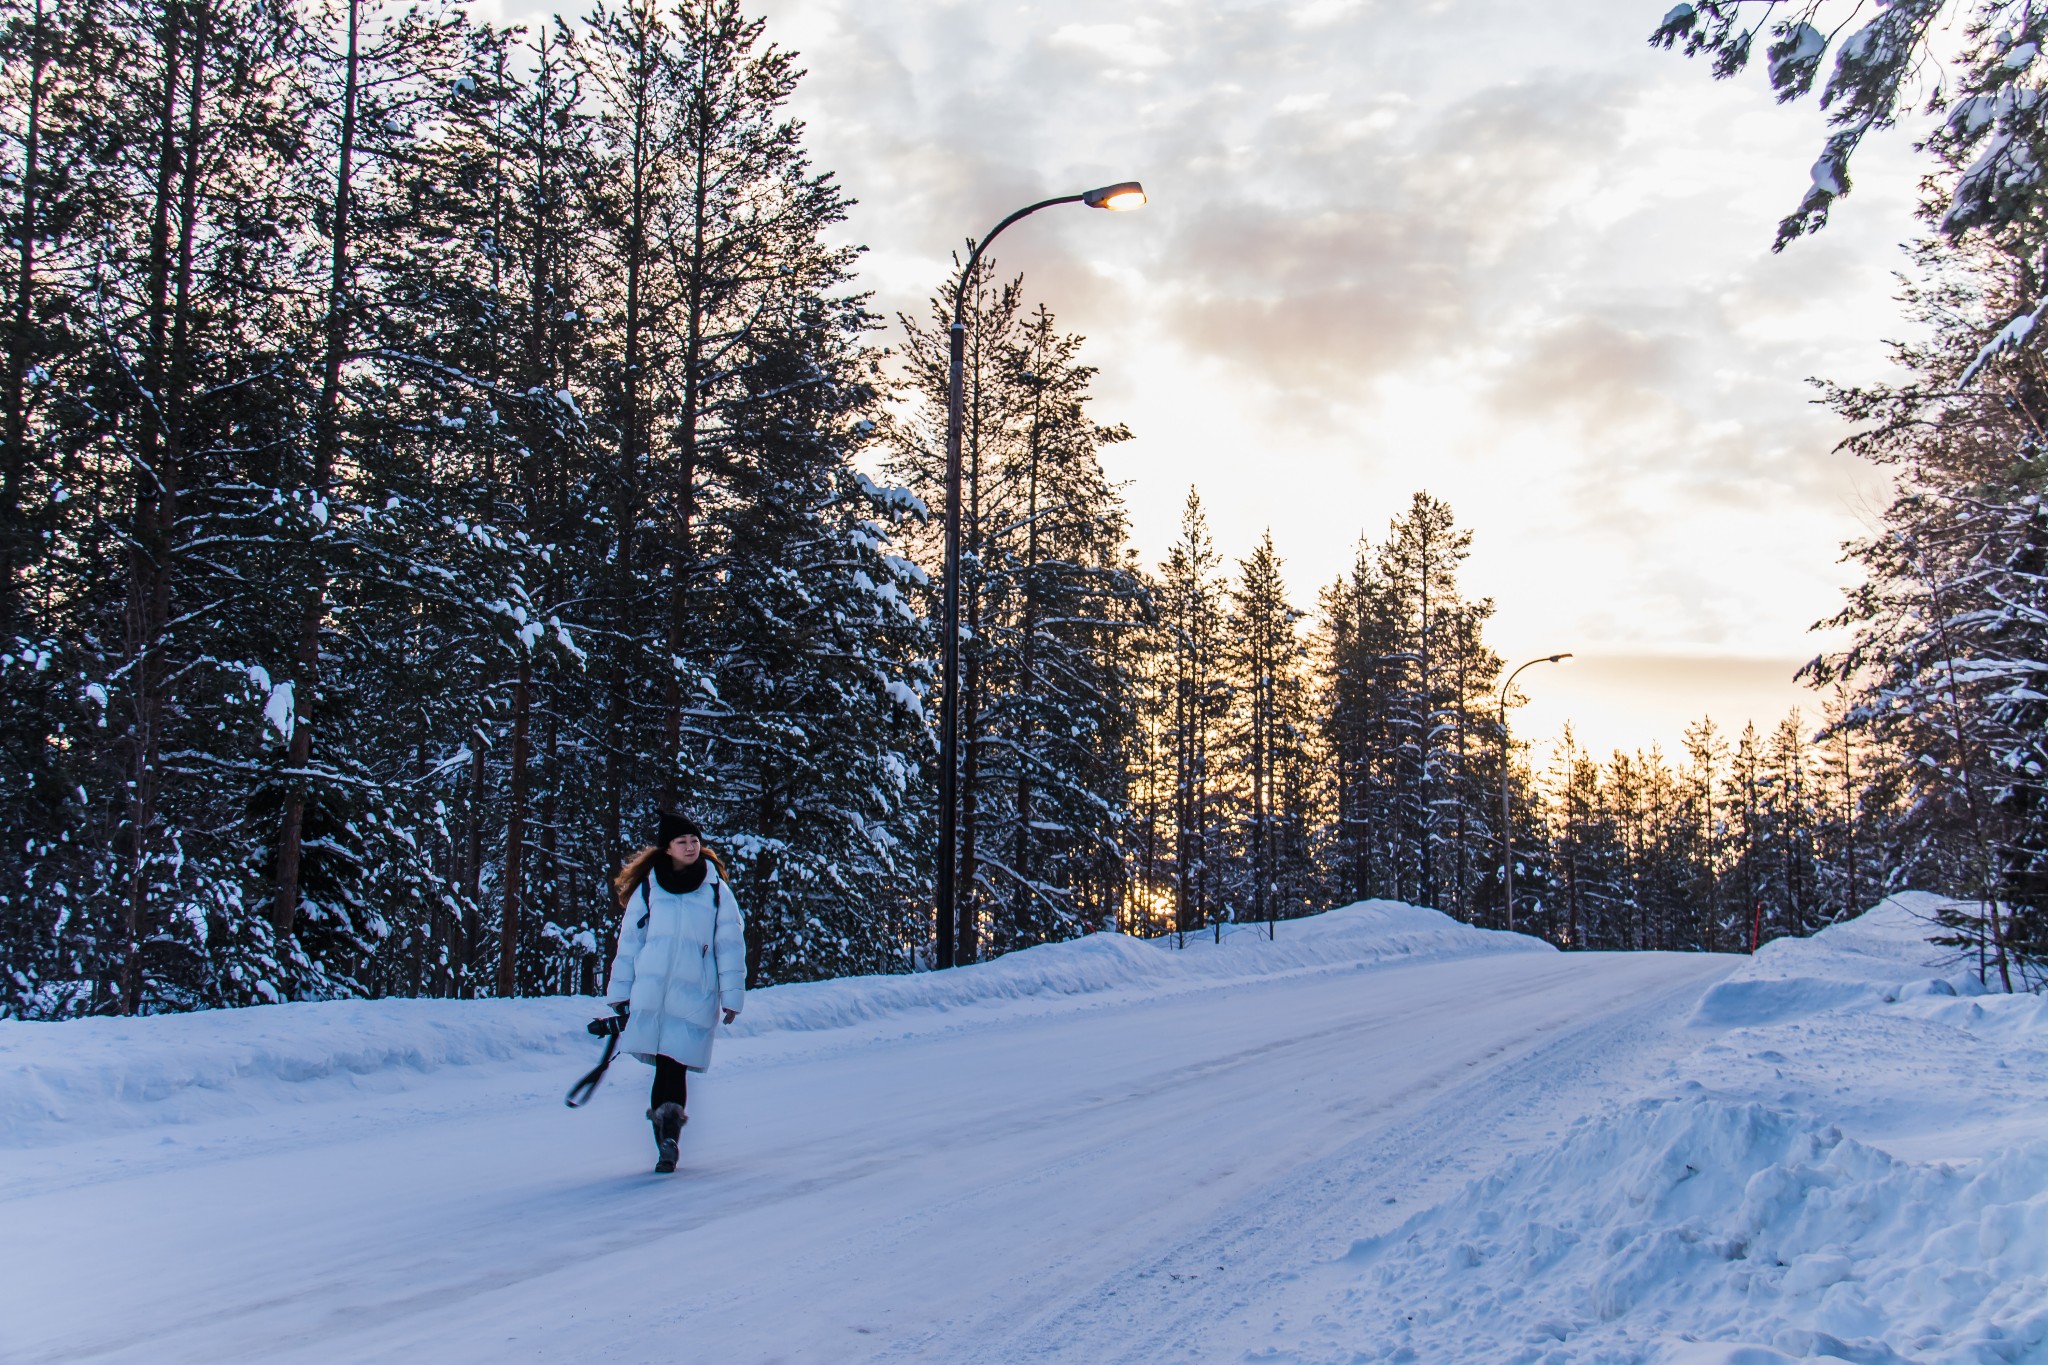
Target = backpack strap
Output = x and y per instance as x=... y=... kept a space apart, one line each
x=647 y=899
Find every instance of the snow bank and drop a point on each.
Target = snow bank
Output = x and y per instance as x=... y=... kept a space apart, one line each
x=1367 y=933
x=1700 y=1231
x=1880 y=958
x=59 y=1080
x=1724 y=1218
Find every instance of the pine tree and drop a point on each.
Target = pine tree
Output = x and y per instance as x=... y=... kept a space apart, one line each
x=1149 y=903
x=373 y=81
x=1363 y=671
x=1947 y=638
x=1580 y=851
x=812 y=724
x=479 y=497
x=1048 y=691
x=1843 y=816
x=629 y=62
x=1199 y=697
x=1267 y=739
x=195 y=386
x=1701 y=838
x=56 y=66
x=1407 y=715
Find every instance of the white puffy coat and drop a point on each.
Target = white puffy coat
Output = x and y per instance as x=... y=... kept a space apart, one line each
x=681 y=959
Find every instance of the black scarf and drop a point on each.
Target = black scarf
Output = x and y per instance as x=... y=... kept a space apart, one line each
x=679 y=881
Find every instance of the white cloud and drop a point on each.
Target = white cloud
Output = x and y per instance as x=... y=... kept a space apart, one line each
x=1504 y=251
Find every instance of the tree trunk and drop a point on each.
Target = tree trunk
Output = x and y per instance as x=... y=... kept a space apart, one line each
x=326 y=447
x=631 y=419
x=550 y=781
x=966 y=941
x=1849 y=823
x=14 y=461
x=515 y=838
x=472 y=873
x=1183 y=783
x=1260 y=758
x=682 y=551
x=762 y=909
x=1020 y=855
x=156 y=510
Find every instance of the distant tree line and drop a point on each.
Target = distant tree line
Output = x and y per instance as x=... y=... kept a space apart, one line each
x=1360 y=756
x=1178 y=748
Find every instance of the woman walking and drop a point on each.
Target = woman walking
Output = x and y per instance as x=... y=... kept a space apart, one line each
x=682 y=961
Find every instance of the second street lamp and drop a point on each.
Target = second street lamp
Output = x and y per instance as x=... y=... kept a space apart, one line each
x=1507 y=831
x=1124 y=195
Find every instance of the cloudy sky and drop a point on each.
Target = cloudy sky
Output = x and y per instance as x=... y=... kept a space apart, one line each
x=1502 y=251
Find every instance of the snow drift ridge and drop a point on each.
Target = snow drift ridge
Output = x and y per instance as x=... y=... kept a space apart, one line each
x=1367 y=933
x=1709 y=1228
x=1734 y=1223
x=122 y=1073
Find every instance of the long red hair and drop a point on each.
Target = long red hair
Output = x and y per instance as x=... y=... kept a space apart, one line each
x=640 y=867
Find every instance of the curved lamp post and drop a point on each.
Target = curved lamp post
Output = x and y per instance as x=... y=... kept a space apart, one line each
x=1128 y=194
x=1507 y=829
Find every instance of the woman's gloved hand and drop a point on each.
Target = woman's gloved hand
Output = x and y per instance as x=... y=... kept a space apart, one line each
x=608 y=1028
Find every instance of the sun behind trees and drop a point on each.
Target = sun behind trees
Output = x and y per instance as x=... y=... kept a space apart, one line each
x=1051 y=609
x=1286 y=768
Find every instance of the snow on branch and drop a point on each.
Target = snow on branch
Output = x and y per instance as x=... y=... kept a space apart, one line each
x=2011 y=337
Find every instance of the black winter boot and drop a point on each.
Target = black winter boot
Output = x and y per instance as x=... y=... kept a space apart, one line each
x=668 y=1127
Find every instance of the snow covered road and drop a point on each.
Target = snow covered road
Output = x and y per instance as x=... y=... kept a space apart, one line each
x=1091 y=1179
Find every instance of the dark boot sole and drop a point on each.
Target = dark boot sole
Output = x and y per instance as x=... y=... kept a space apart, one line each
x=668 y=1126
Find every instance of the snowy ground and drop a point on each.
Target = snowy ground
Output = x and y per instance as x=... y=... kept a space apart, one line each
x=1385 y=1136
x=1840 y=1155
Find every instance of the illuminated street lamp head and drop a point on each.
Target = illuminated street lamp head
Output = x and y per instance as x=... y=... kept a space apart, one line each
x=1128 y=194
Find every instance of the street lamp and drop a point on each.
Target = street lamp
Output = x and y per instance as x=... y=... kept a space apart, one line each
x=1124 y=195
x=1507 y=831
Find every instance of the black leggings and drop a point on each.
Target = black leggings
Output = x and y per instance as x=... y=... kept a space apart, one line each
x=671 y=1083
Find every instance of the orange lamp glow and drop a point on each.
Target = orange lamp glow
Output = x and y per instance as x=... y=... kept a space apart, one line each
x=1128 y=194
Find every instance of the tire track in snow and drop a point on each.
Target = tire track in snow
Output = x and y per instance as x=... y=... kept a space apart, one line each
x=1170 y=1306
x=863 y=1177
x=1086 y=1142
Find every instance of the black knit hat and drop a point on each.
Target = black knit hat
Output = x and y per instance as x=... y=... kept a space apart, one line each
x=672 y=826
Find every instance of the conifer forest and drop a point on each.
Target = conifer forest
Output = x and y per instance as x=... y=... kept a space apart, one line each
x=430 y=448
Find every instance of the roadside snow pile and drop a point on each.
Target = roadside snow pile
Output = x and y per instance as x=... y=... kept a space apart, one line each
x=1881 y=957
x=1882 y=1033
x=120 y=1073
x=1695 y=1230
x=1368 y=933
x=1725 y=1218
x=177 y=1068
